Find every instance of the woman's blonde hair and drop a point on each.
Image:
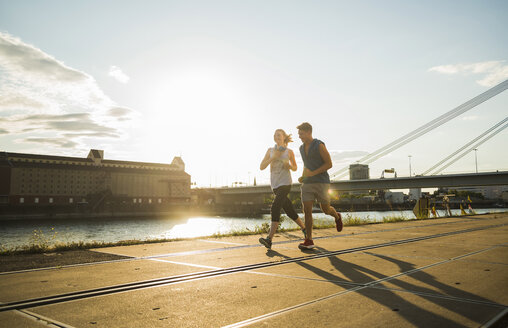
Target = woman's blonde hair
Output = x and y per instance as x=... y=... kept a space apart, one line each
x=287 y=137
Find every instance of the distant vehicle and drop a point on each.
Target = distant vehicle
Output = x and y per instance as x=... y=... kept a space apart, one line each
x=392 y=170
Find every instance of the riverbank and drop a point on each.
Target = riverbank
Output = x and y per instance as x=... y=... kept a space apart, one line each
x=438 y=272
x=43 y=244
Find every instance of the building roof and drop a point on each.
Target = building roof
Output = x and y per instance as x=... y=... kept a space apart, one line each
x=5 y=158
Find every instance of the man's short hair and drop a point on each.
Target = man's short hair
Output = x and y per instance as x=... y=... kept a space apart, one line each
x=305 y=127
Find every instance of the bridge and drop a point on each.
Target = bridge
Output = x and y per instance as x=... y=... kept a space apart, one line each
x=432 y=181
x=252 y=199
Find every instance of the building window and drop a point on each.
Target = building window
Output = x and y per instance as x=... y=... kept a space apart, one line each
x=149 y=201
x=71 y=200
x=21 y=200
x=50 y=200
x=36 y=200
x=160 y=200
x=139 y=200
x=134 y=200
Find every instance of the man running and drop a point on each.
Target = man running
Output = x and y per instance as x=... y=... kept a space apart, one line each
x=315 y=180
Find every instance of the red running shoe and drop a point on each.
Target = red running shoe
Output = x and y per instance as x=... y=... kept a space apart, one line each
x=307 y=244
x=338 y=223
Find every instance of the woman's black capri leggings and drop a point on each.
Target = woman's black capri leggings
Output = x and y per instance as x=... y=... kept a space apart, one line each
x=282 y=201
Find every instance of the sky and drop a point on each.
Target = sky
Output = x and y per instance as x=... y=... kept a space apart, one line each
x=210 y=81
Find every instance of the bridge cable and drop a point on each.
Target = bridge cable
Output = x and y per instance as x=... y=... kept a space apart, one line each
x=428 y=127
x=471 y=149
x=465 y=146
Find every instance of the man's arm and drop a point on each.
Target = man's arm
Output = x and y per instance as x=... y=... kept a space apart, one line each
x=325 y=155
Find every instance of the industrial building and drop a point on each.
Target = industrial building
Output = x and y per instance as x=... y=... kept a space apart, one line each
x=31 y=183
x=358 y=172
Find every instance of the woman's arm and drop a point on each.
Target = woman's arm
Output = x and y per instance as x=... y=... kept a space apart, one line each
x=266 y=161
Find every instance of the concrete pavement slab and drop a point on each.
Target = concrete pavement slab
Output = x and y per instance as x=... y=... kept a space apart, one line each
x=259 y=254
x=419 y=232
x=497 y=236
x=203 y=303
x=355 y=268
x=497 y=255
x=26 y=285
x=475 y=281
x=381 y=308
x=433 y=248
x=16 y=319
x=159 y=248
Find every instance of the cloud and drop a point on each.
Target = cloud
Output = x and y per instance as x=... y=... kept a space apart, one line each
x=26 y=60
x=61 y=142
x=64 y=117
x=118 y=74
x=19 y=100
x=74 y=122
x=493 y=72
x=470 y=118
x=91 y=134
x=347 y=155
x=77 y=126
x=121 y=113
x=3 y=131
x=41 y=95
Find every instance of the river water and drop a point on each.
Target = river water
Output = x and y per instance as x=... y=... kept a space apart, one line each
x=15 y=233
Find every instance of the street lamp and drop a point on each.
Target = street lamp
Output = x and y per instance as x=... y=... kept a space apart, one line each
x=476 y=159
x=409 y=156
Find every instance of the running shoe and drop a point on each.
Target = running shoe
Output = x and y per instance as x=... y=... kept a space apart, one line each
x=307 y=244
x=338 y=223
x=266 y=242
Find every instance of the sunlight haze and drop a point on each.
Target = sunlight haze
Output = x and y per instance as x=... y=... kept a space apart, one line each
x=211 y=81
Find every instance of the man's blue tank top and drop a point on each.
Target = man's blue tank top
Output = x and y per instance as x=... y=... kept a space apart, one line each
x=313 y=161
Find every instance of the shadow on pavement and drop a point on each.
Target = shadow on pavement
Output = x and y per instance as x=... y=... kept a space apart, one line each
x=411 y=312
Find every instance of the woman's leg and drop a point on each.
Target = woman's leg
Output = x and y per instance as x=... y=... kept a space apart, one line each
x=275 y=210
x=273 y=229
x=290 y=211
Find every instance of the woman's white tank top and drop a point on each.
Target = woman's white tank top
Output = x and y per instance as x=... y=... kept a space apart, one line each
x=279 y=176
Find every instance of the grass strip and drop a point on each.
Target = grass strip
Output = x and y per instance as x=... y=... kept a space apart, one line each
x=40 y=243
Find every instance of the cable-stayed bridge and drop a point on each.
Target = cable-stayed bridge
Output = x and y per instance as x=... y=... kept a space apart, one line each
x=255 y=194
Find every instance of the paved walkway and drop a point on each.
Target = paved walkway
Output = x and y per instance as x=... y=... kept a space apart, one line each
x=434 y=273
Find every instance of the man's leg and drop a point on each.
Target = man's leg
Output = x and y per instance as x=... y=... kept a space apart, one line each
x=307 y=210
x=329 y=210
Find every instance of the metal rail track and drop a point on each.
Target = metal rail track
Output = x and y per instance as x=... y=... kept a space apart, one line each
x=60 y=298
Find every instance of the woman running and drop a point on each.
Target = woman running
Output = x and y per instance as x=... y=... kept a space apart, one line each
x=281 y=159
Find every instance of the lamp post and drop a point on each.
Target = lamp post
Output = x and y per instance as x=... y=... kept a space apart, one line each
x=476 y=159
x=409 y=156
